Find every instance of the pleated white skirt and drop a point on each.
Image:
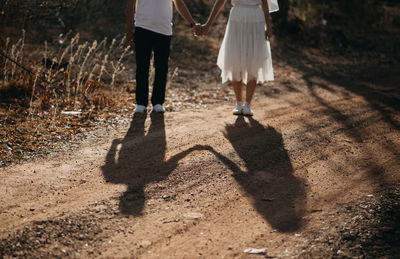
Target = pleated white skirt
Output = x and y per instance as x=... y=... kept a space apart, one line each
x=245 y=55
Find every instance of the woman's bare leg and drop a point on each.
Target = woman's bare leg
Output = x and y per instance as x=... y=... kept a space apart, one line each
x=250 y=88
x=238 y=89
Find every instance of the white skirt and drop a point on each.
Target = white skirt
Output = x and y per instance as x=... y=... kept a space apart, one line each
x=245 y=55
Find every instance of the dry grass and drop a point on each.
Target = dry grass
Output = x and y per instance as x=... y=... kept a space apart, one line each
x=69 y=87
x=71 y=73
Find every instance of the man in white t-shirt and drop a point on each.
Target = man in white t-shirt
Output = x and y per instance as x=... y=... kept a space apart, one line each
x=149 y=29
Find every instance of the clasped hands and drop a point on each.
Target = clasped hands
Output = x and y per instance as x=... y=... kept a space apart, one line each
x=204 y=29
x=200 y=29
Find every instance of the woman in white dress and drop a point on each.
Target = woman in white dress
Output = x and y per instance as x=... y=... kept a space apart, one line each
x=245 y=54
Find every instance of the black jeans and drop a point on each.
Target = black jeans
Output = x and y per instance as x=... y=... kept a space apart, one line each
x=146 y=42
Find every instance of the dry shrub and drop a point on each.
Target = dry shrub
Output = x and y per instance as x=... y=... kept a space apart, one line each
x=76 y=75
x=66 y=77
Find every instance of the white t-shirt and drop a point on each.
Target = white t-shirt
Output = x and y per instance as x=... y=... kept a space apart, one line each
x=246 y=2
x=154 y=15
x=272 y=4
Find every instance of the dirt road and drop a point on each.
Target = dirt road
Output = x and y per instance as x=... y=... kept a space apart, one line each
x=313 y=174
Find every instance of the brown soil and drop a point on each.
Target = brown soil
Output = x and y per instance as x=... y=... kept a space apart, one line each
x=313 y=174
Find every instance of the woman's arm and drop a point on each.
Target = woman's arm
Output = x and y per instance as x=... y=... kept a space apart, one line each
x=214 y=13
x=130 y=23
x=265 y=8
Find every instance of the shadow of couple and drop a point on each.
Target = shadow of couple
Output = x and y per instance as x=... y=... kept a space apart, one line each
x=139 y=159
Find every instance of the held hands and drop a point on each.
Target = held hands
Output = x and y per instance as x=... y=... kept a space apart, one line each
x=196 y=30
x=205 y=29
x=200 y=30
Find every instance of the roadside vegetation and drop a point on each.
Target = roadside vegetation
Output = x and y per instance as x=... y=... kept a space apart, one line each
x=66 y=67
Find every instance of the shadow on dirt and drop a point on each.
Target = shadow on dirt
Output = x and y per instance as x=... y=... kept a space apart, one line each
x=376 y=81
x=139 y=159
x=279 y=196
x=378 y=86
x=275 y=192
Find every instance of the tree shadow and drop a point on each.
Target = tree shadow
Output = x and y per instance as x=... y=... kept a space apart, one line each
x=376 y=84
x=276 y=193
x=139 y=159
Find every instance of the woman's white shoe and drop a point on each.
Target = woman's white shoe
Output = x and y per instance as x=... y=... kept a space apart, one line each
x=247 y=111
x=238 y=110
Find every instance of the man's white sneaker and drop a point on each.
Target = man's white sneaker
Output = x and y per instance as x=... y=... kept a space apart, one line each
x=140 y=109
x=159 y=108
x=238 y=110
x=247 y=111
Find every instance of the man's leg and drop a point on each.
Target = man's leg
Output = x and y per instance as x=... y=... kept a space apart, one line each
x=161 y=55
x=143 y=49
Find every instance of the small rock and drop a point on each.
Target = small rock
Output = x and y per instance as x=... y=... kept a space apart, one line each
x=71 y=112
x=193 y=215
x=145 y=243
x=260 y=251
x=315 y=210
x=54 y=187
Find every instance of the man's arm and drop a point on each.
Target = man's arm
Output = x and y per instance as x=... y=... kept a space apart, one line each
x=265 y=8
x=184 y=11
x=130 y=23
x=214 y=13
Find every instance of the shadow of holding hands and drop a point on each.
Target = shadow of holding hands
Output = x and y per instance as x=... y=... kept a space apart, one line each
x=274 y=191
x=139 y=159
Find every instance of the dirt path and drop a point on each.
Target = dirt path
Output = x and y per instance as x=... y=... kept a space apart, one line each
x=314 y=174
